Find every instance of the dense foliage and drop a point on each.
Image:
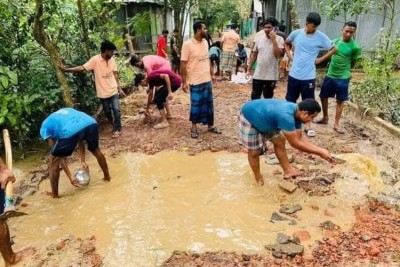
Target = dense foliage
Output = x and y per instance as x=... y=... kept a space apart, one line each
x=29 y=89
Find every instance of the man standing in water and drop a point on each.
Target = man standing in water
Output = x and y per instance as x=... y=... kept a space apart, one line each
x=107 y=83
x=10 y=258
x=336 y=82
x=276 y=120
x=64 y=130
x=197 y=74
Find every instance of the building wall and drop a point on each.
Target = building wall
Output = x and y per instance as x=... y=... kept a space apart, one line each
x=369 y=25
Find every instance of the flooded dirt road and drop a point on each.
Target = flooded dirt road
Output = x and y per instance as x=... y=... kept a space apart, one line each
x=157 y=204
x=173 y=193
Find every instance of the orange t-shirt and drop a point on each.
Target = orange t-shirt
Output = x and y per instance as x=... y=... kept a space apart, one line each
x=106 y=85
x=230 y=40
x=195 y=53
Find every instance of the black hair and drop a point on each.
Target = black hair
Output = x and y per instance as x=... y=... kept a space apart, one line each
x=314 y=18
x=197 y=25
x=107 y=46
x=310 y=105
x=234 y=26
x=241 y=46
x=165 y=32
x=176 y=30
x=350 y=24
x=138 y=78
x=217 y=44
x=134 y=59
x=271 y=20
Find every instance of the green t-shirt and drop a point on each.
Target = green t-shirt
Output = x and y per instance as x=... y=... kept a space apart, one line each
x=340 y=65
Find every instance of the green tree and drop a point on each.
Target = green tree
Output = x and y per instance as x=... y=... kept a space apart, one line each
x=343 y=8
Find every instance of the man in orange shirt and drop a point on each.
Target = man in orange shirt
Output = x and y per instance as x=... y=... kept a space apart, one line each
x=162 y=44
x=197 y=74
x=229 y=41
x=107 y=83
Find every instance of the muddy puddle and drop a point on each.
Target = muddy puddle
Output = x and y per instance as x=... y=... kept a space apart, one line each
x=171 y=201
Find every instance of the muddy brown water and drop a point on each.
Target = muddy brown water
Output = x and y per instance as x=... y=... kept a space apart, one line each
x=172 y=201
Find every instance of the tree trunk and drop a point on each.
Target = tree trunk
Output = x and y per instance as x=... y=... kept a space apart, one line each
x=84 y=29
x=42 y=38
x=294 y=18
x=165 y=14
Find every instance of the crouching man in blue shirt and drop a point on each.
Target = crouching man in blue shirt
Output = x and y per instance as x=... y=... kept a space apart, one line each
x=277 y=121
x=64 y=130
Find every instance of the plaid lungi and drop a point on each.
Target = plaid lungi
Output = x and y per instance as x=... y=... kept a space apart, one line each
x=227 y=59
x=202 y=104
x=250 y=138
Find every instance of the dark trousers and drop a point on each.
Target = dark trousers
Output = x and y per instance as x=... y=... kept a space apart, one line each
x=112 y=111
x=266 y=88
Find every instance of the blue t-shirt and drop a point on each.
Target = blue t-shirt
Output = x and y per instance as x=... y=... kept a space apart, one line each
x=306 y=49
x=267 y=115
x=214 y=51
x=64 y=123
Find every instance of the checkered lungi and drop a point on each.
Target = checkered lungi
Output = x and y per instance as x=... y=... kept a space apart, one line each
x=251 y=138
x=227 y=59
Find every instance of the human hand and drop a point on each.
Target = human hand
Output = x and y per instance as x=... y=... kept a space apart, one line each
x=74 y=182
x=318 y=61
x=62 y=67
x=272 y=35
x=121 y=92
x=170 y=96
x=6 y=176
x=326 y=155
x=85 y=166
x=185 y=87
x=213 y=78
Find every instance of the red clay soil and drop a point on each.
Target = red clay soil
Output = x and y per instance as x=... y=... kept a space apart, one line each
x=372 y=241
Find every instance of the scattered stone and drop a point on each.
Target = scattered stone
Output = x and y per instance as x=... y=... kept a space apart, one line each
x=289 y=208
x=374 y=251
x=314 y=207
x=292 y=222
x=276 y=217
x=288 y=249
x=277 y=254
x=328 y=225
x=366 y=238
x=283 y=239
x=303 y=161
x=271 y=160
x=288 y=186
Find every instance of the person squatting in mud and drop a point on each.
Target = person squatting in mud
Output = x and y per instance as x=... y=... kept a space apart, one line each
x=9 y=256
x=276 y=120
x=162 y=83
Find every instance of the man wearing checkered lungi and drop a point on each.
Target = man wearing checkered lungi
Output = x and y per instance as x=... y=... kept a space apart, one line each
x=276 y=120
x=229 y=41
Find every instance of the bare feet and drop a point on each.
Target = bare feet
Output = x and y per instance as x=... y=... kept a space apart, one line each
x=22 y=255
x=50 y=194
x=106 y=179
x=292 y=173
x=321 y=121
